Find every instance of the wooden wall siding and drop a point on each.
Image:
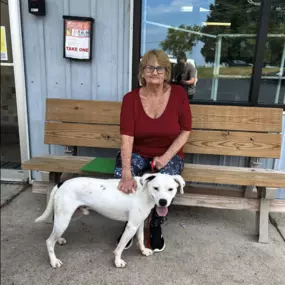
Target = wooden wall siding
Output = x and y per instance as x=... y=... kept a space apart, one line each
x=49 y=75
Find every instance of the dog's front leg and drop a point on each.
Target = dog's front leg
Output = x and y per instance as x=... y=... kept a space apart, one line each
x=129 y=232
x=140 y=236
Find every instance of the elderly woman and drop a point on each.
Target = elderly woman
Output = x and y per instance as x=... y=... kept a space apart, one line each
x=155 y=124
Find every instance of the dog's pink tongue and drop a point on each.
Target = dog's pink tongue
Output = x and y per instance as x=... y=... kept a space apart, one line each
x=162 y=211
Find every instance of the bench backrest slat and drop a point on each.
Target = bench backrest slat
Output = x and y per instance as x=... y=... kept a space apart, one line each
x=206 y=117
x=217 y=130
x=200 y=142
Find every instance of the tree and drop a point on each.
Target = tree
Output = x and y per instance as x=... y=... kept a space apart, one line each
x=179 y=40
x=244 y=18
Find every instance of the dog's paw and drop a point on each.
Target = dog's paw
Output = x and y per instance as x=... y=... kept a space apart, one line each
x=120 y=263
x=147 y=252
x=62 y=241
x=56 y=263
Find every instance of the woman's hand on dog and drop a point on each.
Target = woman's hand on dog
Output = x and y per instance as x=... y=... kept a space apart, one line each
x=127 y=185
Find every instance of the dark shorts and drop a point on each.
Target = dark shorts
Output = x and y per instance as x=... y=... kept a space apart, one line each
x=190 y=96
x=141 y=165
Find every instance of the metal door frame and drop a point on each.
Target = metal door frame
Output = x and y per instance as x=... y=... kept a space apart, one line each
x=20 y=87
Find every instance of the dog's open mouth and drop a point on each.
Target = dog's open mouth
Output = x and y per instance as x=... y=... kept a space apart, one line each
x=162 y=211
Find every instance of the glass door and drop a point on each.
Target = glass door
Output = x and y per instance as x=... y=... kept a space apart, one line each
x=10 y=142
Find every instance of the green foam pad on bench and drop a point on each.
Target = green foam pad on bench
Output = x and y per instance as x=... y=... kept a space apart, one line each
x=101 y=165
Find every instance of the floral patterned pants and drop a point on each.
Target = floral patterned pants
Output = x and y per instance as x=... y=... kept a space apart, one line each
x=140 y=165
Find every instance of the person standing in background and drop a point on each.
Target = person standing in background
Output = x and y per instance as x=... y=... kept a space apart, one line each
x=184 y=74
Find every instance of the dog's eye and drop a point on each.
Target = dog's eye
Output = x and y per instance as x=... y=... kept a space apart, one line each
x=170 y=189
x=155 y=188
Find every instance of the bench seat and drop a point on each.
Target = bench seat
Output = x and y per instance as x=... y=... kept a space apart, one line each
x=192 y=172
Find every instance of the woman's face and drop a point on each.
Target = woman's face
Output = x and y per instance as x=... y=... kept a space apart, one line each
x=154 y=73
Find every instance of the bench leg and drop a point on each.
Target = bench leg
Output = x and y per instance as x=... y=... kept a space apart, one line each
x=263 y=216
x=257 y=215
x=264 y=221
x=256 y=221
x=256 y=192
x=250 y=192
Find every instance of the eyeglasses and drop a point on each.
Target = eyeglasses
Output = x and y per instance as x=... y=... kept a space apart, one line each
x=151 y=68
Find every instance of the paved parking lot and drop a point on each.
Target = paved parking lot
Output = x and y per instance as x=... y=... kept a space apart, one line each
x=203 y=246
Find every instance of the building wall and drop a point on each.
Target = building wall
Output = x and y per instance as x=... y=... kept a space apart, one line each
x=49 y=75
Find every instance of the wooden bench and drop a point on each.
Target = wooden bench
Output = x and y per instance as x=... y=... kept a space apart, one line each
x=217 y=130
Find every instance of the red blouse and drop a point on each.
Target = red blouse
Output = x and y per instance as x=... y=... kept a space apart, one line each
x=152 y=137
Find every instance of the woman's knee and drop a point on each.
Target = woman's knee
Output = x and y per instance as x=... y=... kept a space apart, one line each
x=138 y=164
x=174 y=167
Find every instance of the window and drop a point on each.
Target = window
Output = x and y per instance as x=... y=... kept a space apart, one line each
x=272 y=88
x=219 y=38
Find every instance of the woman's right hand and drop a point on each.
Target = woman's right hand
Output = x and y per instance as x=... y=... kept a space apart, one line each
x=127 y=185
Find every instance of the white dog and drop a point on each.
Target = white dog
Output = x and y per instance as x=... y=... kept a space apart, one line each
x=103 y=196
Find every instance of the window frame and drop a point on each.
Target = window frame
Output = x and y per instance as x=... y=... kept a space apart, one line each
x=264 y=18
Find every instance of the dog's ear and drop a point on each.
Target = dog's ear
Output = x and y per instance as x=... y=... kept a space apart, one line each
x=146 y=178
x=181 y=182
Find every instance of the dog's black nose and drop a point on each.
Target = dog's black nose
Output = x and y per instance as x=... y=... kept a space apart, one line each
x=162 y=202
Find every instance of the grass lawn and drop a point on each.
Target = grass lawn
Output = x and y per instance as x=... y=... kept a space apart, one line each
x=207 y=72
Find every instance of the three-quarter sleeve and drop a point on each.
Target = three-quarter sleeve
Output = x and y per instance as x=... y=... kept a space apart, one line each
x=184 y=113
x=127 y=116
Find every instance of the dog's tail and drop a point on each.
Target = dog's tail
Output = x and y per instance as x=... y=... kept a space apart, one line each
x=49 y=208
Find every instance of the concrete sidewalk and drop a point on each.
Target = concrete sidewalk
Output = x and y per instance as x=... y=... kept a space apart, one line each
x=278 y=220
x=203 y=246
x=9 y=191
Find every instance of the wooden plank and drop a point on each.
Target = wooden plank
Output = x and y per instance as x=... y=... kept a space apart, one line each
x=237 y=118
x=225 y=199
x=70 y=164
x=277 y=206
x=191 y=173
x=233 y=175
x=40 y=187
x=82 y=135
x=204 y=116
x=219 y=202
x=213 y=190
x=200 y=142
x=234 y=143
x=83 y=111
